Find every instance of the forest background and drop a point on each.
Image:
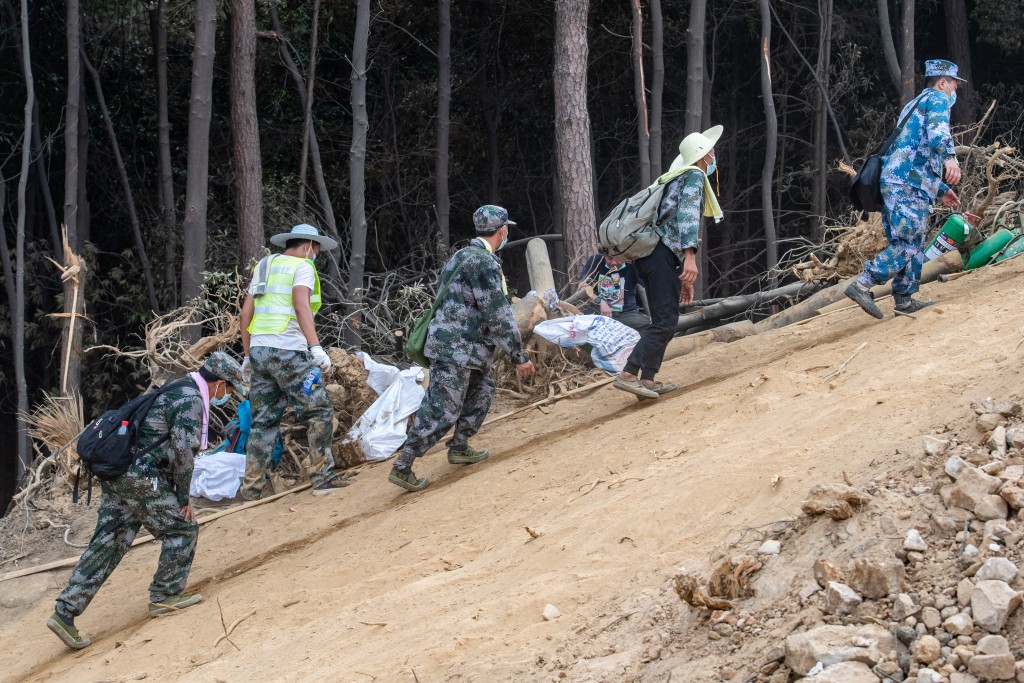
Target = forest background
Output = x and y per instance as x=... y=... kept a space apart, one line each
x=172 y=137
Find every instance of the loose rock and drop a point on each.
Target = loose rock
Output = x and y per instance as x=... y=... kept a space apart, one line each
x=846 y=672
x=997 y=569
x=993 y=667
x=933 y=445
x=926 y=649
x=834 y=644
x=991 y=507
x=840 y=598
x=773 y=547
x=992 y=602
x=1013 y=495
x=551 y=612
x=877 y=577
x=959 y=624
x=913 y=541
x=968 y=490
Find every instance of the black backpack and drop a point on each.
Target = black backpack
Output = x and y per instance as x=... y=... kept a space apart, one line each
x=866 y=186
x=109 y=446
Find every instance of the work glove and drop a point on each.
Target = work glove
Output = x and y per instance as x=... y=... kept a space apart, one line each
x=246 y=370
x=320 y=357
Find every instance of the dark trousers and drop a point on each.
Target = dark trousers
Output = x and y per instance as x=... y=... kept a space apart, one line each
x=660 y=271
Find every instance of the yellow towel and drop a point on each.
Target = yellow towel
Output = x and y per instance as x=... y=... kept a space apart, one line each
x=711 y=207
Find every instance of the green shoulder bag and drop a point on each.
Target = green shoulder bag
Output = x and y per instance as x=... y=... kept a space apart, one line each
x=418 y=337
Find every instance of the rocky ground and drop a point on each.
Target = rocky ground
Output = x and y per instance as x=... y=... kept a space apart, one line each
x=913 y=577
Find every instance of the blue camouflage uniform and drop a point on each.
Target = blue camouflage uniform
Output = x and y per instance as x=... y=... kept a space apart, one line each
x=472 y=322
x=911 y=183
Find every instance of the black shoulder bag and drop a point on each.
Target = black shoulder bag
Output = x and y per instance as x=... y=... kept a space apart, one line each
x=866 y=188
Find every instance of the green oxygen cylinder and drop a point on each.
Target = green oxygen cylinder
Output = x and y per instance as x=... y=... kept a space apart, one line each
x=984 y=252
x=953 y=233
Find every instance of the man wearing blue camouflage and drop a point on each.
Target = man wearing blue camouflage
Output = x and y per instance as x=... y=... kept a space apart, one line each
x=473 y=320
x=281 y=346
x=915 y=174
x=153 y=492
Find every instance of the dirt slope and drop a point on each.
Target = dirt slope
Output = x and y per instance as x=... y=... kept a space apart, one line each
x=373 y=584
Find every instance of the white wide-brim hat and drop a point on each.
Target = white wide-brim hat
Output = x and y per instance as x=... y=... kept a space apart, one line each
x=695 y=147
x=304 y=231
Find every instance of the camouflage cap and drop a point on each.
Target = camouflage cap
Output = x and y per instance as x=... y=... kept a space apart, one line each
x=228 y=369
x=942 y=67
x=488 y=219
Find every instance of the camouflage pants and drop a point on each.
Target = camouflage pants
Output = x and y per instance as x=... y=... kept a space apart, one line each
x=129 y=502
x=905 y=219
x=277 y=377
x=457 y=396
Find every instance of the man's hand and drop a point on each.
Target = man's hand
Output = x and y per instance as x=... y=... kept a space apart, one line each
x=606 y=310
x=187 y=513
x=320 y=357
x=525 y=370
x=689 y=274
x=686 y=294
x=950 y=199
x=952 y=171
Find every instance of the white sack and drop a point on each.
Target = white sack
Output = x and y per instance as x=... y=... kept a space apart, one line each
x=612 y=341
x=380 y=431
x=217 y=476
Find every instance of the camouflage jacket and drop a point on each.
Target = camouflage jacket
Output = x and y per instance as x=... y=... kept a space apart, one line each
x=680 y=212
x=475 y=317
x=178 y=413
x=916 y=157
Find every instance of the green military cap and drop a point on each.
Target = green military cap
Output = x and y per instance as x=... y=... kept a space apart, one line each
x=488 y=219
x=226 y=368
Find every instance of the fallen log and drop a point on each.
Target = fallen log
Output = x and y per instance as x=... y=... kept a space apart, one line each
x=945 y=264
x=737 y=304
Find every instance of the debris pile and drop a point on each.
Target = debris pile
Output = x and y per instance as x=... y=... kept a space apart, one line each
x=912 y=577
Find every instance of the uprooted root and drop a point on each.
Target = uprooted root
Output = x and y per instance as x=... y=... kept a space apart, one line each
x=689 y=591
x=731 y=578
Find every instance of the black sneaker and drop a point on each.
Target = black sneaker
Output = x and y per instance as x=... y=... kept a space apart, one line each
x=911 y=306
x=408 y=481
x=864 y=298
x=331 y=485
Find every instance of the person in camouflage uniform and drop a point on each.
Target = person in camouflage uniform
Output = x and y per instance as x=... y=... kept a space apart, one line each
x=154 y=492
x=670 y=271
x=473 y=320
x=912 y=180
x=282 y=348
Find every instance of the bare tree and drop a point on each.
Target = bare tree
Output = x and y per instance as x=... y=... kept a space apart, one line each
x=771 y=139
x=657 y=83
x=695 y=67
x=907 y=89
x=198 y=164
x=245 y=132
x=820 y=126
x=957 y=38
x=892 y=62
x=640 y=95
x=307 y=118
x=73 y=191
x=18 y=305
x=444 y=102
x=165 y=187
x=573 y=161
x=314 y=146
x=357 y=168
x=122 y=173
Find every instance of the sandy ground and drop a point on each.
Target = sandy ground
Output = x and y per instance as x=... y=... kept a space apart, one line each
x=373 y=584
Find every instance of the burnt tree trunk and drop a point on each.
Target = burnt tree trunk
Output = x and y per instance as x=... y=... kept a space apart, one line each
x=357 y=170
x=197 y=183
x=965 y=112
x=892 y=62
x=640 y=95
x=907 y=89
x=444 y=102
x=573 y=162
x=307 y=118
x=657 y=84
x=771 y=139
x=695 y=67
x=168 y=213
x=245 y=133
x=820 y=131
x=72 y=334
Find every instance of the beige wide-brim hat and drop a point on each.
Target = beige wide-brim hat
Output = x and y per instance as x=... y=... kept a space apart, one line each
x=695 y=147
x=304 y=231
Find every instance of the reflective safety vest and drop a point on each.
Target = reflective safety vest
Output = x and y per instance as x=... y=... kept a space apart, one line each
x=275 y=309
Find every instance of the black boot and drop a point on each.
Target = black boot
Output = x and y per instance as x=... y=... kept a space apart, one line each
x=862 y=295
